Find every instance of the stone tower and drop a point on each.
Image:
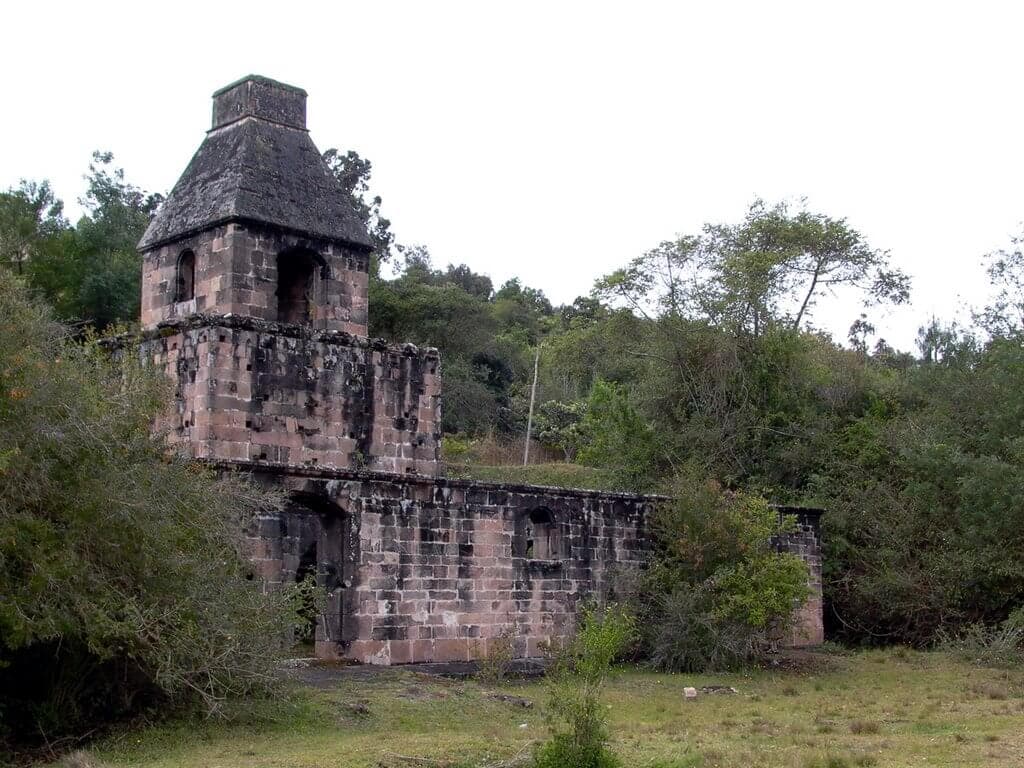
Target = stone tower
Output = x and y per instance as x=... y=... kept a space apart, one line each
x=257 y=225
x=254 y=302
x=254 y=297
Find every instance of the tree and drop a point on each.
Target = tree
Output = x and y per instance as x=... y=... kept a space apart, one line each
x=766 y=272
x=108 y=265
x=31 y=218
x=354 y=173
x=944 y=343
x=1004 y=316
x=619 y=438
x=523 y=311
x=859 y=332
x=560 y=425
x=124 y=584
x=90 y=272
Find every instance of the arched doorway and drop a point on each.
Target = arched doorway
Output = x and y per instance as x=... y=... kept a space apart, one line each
x=297 y=283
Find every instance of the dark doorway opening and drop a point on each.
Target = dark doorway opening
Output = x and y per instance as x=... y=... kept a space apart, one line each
x=185 y=282
x=296 y=286
x=542 y=536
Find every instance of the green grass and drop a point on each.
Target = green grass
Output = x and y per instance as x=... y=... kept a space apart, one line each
x=877 y=708
x=558 y=475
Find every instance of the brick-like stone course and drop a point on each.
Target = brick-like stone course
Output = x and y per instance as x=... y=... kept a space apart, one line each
x=435 y=570
x=250 y=390
x=236 y=273
x=805 y=542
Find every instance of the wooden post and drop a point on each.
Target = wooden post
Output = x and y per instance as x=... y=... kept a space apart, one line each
x=529 y=419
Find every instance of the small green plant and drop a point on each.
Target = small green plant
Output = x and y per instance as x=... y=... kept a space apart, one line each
x=306 y=601
x=495 y=665
x=579 y=733
x=455 y=448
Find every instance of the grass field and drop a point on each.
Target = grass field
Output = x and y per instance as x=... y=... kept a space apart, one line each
x=877 y=708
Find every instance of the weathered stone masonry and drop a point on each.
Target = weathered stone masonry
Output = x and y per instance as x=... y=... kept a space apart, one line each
x=257 y=391
x=427 y=569
x=805 y=542
x=254 y=302
x=236 y=273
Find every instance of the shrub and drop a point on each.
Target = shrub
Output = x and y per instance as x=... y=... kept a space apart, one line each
x=998 y=646
x=717 y=594
x=455 y=447
x=862 y=727
x=124 y=588
x=576 y=718
x=688 y=635
x=495 y=665
x=563 y=751
x=306 y=602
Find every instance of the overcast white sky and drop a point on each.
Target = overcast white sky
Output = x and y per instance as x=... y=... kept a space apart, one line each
x=555 y=141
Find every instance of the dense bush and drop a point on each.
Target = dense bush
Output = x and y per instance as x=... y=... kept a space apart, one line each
x=123 y=585
x=717 y=593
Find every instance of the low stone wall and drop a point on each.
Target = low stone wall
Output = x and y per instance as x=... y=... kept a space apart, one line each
x=422 y=569
x=427 y=569
x=253 y=390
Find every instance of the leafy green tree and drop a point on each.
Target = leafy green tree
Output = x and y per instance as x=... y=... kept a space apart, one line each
x=354 y=173
x=106 y=266
x=560 y=425
x=31 y=219
x=923 y=491
x=523 y=312
x=766 y=272
x=90 y=272
x=619 y=438
x=483 y=340
x=1004 y=315
x=124 y=587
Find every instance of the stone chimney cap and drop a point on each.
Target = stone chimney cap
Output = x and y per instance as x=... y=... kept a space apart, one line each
x=259 y=165
x=261 y=98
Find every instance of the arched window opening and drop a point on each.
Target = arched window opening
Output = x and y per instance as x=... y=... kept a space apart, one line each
x=296 y=284
x=543 y=537
x=185 y=283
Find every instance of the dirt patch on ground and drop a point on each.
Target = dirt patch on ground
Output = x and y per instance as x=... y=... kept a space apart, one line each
x=317 y=673
x=806 y=661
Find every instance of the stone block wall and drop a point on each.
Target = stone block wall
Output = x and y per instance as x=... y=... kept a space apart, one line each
x=422 y=569
x=805 y=543
x=250 y=390
x=271 y=100
x=236 y=273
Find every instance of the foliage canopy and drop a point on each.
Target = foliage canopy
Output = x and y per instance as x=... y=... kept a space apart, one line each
x=123 y=581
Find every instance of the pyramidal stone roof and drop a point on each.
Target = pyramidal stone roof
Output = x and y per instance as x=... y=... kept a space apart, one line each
x=258 y=164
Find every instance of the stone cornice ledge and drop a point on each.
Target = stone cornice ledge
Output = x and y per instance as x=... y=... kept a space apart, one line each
x=289 y=330
x=334 y=473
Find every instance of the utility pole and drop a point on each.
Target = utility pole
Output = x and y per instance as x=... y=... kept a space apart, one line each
x=529 y=419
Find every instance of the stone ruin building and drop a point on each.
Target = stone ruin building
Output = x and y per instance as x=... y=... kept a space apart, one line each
x=254 y=301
